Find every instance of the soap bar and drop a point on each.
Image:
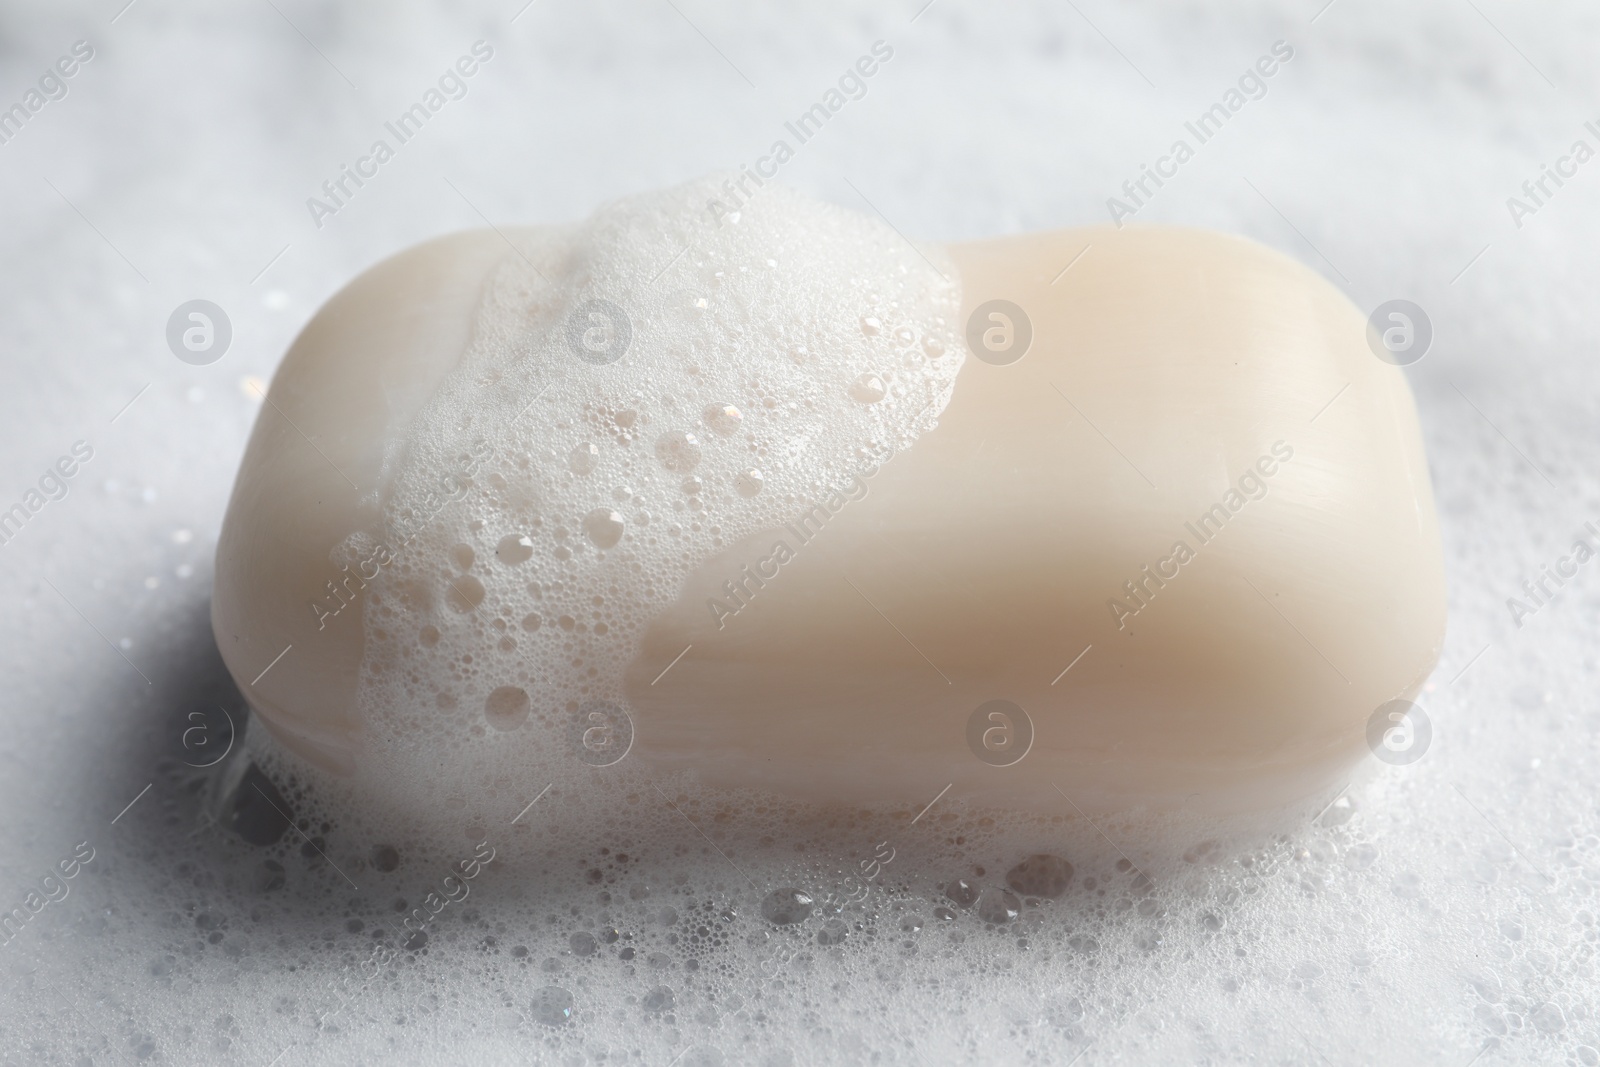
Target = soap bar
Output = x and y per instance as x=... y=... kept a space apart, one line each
x=1188 y=536
x=777 y=499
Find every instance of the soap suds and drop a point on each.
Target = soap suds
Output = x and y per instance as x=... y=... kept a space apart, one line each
x=641 y=391
x=1445 y=912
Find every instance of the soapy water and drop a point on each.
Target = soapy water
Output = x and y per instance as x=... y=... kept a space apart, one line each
x=1441 y=913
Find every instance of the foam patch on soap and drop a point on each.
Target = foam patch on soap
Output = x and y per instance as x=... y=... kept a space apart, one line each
x=641 y=391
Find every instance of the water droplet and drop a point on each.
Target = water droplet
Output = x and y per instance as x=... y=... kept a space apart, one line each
x=583 y=459
x=506 y=708
x=603 y=527
x=933 y=346
x=905 y=335
x=724 y=419
x=464 y=593
x=462 y=556
x=514 y=549
x=552 y=1006
x=867 y=389
x=871 y=325
x=385 y=858
x=678 y=450
x=786 y=906
x=749 y=482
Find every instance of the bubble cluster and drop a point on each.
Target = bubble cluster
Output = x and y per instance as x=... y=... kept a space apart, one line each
x=556 y=493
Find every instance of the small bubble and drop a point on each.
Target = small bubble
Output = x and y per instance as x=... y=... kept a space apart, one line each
x=429 y=636
x=724 y=419
x=462 y=556
x=514 y=549
x=464 y=593
x=506 y=708
x=385 y=858
x=961 y=892
x=786 y=906
x=1041 y=875
x=552 y=1006
x=833 y=932
x=693 y=485
x=999 y=907
x=531 y=621
x=871 y=325
x=603 y=527
x=678 y=450
x=749 y=482
x=582 y=944
x=584 y=458
x=867 y=389
x=933 y=346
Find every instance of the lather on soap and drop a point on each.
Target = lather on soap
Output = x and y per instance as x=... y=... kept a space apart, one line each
x=757 y=513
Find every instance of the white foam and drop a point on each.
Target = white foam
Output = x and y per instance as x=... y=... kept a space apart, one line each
x=641 y=391
x=1404 y=930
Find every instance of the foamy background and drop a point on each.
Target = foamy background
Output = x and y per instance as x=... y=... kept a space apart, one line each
x=1450 y=916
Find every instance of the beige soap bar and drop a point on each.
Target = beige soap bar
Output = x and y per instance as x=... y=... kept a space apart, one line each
x=1175 y=555
x=1198 y=488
